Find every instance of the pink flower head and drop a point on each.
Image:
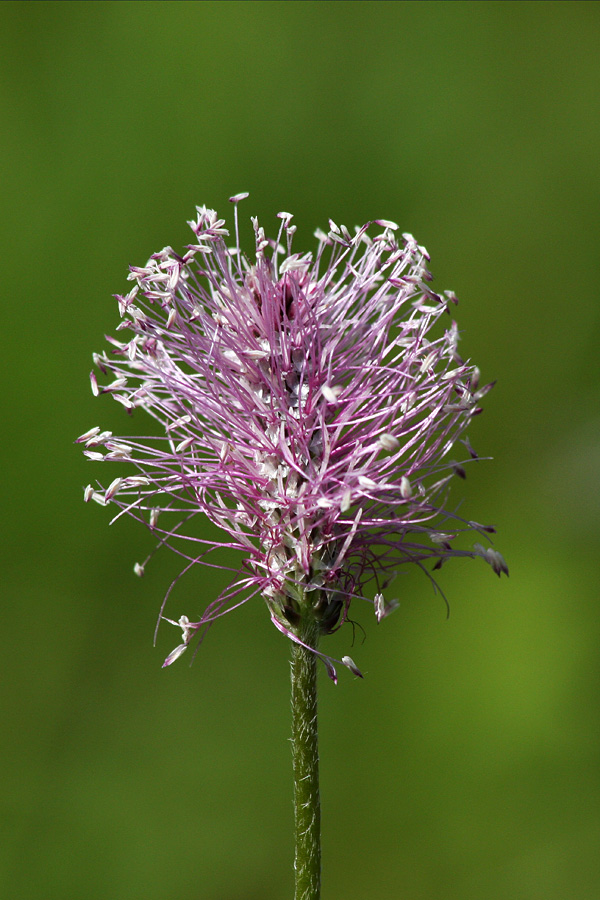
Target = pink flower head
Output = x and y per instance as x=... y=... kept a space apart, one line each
x=307 y=404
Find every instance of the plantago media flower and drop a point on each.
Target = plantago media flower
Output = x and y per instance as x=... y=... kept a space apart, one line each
x=308 y=405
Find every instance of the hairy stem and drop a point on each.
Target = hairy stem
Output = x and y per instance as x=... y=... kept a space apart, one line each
x=305 y=753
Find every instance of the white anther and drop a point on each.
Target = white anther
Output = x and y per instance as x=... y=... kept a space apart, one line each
x=175 y=654
x=182 y=421
x=184 y=445
x=349 y=662
x=429 y=359
x=116 y=384
x=331 y=393
x=136 y=481
x=405 y=488
x=324 y=503
x=389 y=442
x=113 y=489
x=88 y=434
x=367 y=483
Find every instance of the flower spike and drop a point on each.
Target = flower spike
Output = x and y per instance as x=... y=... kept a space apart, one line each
x=306 y=405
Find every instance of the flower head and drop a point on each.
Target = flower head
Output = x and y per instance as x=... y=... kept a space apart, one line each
x=307 y=404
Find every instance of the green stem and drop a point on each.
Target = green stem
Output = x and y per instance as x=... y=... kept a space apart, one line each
x=305 y=753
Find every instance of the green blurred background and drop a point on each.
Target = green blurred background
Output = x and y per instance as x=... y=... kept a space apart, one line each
x=466 y=764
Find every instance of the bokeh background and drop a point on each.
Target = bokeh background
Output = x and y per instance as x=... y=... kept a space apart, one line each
x=466 y=764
